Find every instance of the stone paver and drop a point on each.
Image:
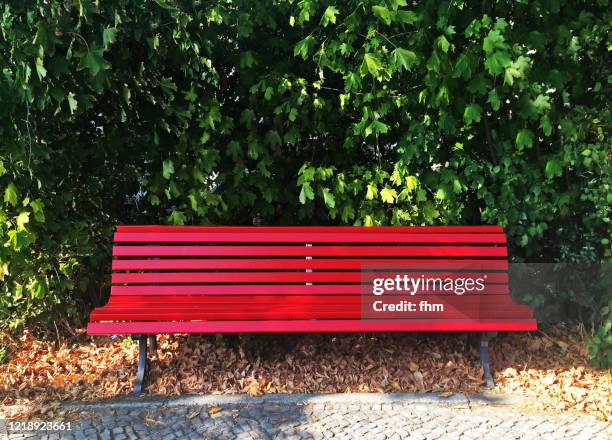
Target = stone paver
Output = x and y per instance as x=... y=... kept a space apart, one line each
x=339 y=418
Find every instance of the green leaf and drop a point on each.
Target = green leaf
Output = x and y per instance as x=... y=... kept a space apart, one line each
x=542 y=103
x=383 y=13
x=407 y=17
x=443 y=43
x=168 y=169
x=72 y=103
x=370 y=64
x=177 y=218
x=22 y=219
x=329 y=199
x=371 y=191
x=494 y=100
x=546 y=125
x=497 y=62
x=554 y=168
x=93 y=61
x=472 y=113
x=404 y=58
x=109 y=36
x=306 y=193
x=524 y=138
x=411 y=183
x=40 y=69
x=493 y=41
x=272 y=138
x=329 y=16
x=302 y=47
x=10 y=194
x=376 y=127
x=37 y=208
x=388 y=195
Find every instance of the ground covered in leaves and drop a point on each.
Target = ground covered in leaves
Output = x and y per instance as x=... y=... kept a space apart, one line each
x=551 y=365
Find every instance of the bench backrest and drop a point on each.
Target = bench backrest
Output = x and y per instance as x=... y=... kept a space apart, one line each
x=192 y=260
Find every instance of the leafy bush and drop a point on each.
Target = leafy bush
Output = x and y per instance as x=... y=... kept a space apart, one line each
x=294 y=112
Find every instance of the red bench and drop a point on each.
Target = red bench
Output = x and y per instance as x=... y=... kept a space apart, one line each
x=201 y=279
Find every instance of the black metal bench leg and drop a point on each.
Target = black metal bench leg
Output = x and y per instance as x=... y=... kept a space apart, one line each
x=484 y=357
x=142 y=363
x=153 y=344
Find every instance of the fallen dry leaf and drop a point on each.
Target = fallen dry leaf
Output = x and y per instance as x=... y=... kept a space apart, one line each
x=214 y=410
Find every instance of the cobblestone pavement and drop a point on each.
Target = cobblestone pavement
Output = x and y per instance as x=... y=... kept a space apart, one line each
x=322 y=417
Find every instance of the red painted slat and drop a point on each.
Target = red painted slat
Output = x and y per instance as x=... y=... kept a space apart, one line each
x=318 y=251
x=300 y=326
x=332 y=307
x=308 y=313
x=280 y=300
x=285 y=277
x=484 y=229
x=302 y=263
x=305 y=237
x=259 y=289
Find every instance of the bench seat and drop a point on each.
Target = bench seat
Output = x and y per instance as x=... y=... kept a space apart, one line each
x=203 y=279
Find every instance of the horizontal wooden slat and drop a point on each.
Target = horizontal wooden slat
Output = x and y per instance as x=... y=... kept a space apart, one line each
x=286 y=277
x=300 y=307
x=303 y=263
x=305 y=237
x=300 y=326
x=484 y=229
x=320 y=251
x=259 y=289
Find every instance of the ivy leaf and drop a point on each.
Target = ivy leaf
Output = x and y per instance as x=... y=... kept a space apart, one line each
x=329 y=199
x=472 y=113
x=404 y=58
x=10 y=194
x=383 y=13
x=167 y=169
x=370 y=64
x=388 y=195
x=524 y=138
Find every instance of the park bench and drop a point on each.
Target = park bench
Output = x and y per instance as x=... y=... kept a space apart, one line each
x=201 y=279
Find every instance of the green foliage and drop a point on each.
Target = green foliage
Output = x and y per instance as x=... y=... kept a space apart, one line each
x=294 y=112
